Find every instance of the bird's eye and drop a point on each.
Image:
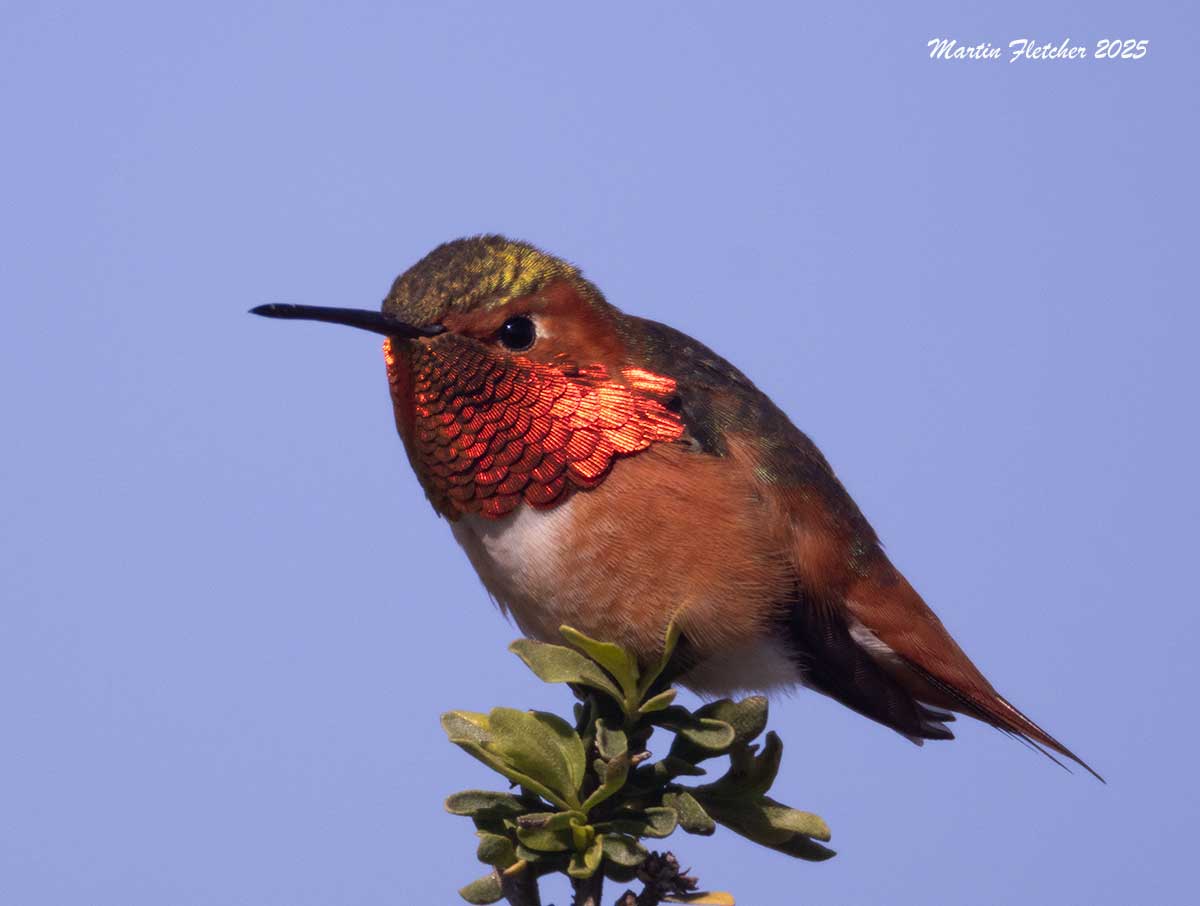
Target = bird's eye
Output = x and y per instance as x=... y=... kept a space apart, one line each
x=518 y=333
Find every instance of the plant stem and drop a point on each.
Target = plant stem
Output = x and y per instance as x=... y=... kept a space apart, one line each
x=588 y=890
x=521 y=889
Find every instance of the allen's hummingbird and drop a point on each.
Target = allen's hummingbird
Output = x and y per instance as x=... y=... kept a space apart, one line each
x=611 y=473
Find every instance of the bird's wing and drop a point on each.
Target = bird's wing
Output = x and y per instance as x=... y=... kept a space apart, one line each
x=868 y=638
x=832 y=661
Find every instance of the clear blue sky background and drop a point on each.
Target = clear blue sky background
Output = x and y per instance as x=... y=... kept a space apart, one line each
x=229 y=619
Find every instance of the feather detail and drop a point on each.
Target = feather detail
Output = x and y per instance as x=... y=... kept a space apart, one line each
x=489 y=432
x=930 y=663
x=831 y=660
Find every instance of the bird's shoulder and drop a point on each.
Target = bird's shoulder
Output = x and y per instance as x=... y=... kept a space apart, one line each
x=720 y=405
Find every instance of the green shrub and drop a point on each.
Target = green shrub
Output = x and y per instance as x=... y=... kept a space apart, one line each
x=586 y=796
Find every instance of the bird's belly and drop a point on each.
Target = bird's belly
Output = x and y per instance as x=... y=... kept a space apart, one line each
x=545 y=581
x=665 y=537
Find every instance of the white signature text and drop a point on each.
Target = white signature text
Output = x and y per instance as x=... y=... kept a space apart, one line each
x=1030 y=49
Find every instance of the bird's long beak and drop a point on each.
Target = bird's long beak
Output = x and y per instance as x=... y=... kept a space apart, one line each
x=374 y=321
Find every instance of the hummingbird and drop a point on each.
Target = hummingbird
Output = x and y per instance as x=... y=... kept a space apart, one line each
x=611 y=473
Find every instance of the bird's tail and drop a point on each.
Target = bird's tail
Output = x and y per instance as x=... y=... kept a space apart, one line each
x=993 y=708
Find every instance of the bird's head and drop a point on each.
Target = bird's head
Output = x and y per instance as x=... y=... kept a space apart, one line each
x=510 y=376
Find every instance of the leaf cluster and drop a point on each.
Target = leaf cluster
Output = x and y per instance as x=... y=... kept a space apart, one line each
x=585 y=795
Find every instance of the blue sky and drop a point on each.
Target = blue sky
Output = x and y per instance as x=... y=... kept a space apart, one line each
x=229 y=620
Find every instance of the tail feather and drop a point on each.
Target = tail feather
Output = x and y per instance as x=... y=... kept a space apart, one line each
x=916 y=645
x=1002 y=714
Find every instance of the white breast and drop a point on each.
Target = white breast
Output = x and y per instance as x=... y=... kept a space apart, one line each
x=523 y=560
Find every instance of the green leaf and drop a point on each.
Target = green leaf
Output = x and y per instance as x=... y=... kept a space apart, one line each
x=711 y=736
x=672 y=767
x=495 y=850
x=612 y=776
x=546 y=839
x=623 y=850
x=548 y=831
x=483 y=890
x=485 y=804
x=559 y=664
x=669 y=642
x=570 y=745
x=470 y=731
x=748 y=718
x=613 y=658
x=770 y=823
x=582 y=836
x=541 y=746
x=763 y=768
x=660 y=821
x=750 y=775
x=584 y=864
x=657 y=703
x=805 y=848
x=783 y=818
x=468 y=726
x=525 y=854
x=610 y=743
x=692 y=816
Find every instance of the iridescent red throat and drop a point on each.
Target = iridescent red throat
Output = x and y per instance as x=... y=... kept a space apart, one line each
x=486 y=432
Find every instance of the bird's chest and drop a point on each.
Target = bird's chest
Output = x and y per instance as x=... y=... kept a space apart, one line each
x=622 y=579
x=668 y=535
